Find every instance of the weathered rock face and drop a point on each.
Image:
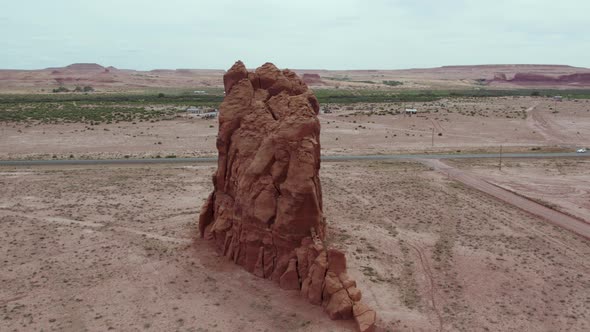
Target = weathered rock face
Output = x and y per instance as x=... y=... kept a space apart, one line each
x=265 y=212
x=267 y=195
x=581 y=79
x=500 y=77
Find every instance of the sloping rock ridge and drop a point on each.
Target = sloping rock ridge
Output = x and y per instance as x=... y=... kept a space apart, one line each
x=265 y=212
x=312 y=79
x=582 y=79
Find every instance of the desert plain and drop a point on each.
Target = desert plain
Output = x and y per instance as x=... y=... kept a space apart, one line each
x=115 y=247
x=112 y=247
x=446 y=125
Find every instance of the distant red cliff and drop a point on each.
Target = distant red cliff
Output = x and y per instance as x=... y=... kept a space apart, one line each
x=577 y=79
x=312 y=79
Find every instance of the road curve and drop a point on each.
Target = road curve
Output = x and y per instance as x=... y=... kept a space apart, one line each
x=563 y=220
x=324 y=158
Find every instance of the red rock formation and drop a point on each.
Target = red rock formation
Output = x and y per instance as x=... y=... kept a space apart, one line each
x=267 y=194
x=578 y=79
x=500 y=77
x=528 y=77
x=265 y=212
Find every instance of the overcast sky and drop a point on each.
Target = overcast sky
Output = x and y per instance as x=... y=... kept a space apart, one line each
x=339 y=34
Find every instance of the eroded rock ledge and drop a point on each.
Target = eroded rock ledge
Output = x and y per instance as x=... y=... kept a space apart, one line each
x=265 y=212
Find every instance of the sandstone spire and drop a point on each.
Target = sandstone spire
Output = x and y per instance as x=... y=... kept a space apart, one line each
x=265 y=212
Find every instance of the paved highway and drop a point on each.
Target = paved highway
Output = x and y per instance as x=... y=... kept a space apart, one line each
x=324 y=158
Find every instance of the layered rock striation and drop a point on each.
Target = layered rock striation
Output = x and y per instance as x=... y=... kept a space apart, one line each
x=265 y=212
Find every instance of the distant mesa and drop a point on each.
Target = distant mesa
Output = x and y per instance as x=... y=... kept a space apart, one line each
x=162 y=71
x=111 y=78
x=85 y=67
x=539 y=79
x=500 y=77
x=312 y=79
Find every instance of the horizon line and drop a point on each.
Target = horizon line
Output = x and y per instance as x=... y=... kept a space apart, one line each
x=303 y=69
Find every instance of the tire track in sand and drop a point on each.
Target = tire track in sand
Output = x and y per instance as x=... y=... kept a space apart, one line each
x=432 y=291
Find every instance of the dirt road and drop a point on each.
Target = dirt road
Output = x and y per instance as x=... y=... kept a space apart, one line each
x=551 y=131
x=575 y=225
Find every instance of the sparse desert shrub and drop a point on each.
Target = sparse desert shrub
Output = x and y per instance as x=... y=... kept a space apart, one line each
x=61 y=89
x=393 y=83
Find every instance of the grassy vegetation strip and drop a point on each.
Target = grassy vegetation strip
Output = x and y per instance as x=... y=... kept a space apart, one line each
x=92 y=108
x=102 y=107
x=341 y=96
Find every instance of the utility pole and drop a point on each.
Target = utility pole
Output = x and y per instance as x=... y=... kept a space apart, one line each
x=500 y=158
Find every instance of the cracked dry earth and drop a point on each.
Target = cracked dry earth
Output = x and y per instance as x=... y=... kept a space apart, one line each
x=99 y=248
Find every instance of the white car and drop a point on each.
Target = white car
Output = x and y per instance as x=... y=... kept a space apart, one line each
x=582 y=150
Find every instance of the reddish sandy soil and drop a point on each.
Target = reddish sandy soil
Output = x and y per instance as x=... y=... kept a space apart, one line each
x=562 y=184
x=544 y=210
x=93 y=248
x=518 y=124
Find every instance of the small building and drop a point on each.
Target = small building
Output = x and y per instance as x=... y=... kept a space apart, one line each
x=195 y=110
x=209 y=115
x=205 y=113
x=411 y=111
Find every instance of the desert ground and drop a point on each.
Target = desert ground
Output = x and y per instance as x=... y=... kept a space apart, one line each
x=449 y=125
x=561 y=184
x=115 y=247
x=98 y=247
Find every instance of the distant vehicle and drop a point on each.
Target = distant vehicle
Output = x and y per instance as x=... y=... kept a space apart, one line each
x=582 y=150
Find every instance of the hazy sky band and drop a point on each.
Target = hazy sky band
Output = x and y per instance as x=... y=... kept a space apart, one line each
x=343 y=34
